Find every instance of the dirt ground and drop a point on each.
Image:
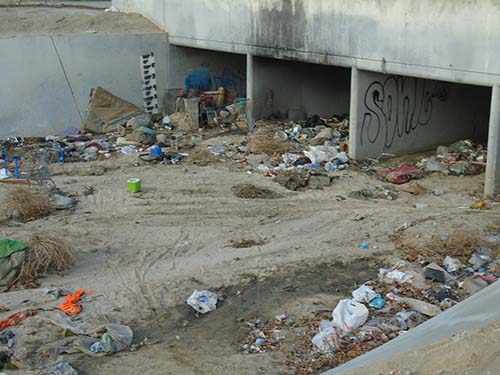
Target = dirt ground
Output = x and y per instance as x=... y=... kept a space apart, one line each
x=40 y=20
x=143 y=254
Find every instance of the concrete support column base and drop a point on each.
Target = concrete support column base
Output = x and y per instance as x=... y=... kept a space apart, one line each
x=492 y=182
x=250 y=93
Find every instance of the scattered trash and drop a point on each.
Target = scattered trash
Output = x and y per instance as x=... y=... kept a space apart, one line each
x=400 y=175
x=394 y=276
x=435 y=273
x=134 y=185
x=326 y=340
x=378 y=303
x=60 y=202
x=70 y=305
x=113 y=338
x=474 y=284
x=421 y=306
x=203 y=301
x=14 y=319
x=364 y=294
x=62 y=368
x=421 y=205
x=349 y=315
x=452 y=265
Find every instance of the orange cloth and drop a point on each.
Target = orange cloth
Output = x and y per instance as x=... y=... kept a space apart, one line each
x=71 y=305
x=16 y=318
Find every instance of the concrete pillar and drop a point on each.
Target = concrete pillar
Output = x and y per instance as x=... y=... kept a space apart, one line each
x=492 y=182
x=353 y=114
x=250 y=93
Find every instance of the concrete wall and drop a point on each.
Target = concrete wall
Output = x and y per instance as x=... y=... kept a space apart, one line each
x=281 y=86
x=47 y=80
x=402 y=114
x=438 y=39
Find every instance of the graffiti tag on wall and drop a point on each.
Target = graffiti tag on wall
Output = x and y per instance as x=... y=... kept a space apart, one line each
x=398 y=106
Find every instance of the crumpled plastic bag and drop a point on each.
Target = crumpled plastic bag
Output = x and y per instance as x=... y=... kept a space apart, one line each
x=320 y=154
x=63 y=368
x=349 y=315
x=203 y=301
x=60 y=202
x=114 y=338
x=389 y=276
x=326 y=341
x=364 y=294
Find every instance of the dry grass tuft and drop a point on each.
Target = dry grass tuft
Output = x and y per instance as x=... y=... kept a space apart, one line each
x=459 y=245
x=45 y=254
x=265 y=140
x=203 y=157
x=26 y=205
x=244 y=243
x=249 y=191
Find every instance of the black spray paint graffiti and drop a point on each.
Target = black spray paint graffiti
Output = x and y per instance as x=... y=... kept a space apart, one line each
x=397 y=107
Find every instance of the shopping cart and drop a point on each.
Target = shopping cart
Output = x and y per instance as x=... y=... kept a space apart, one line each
x=30 y=164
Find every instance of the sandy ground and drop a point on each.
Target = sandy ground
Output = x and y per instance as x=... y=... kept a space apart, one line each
x=17 y=21
x=144 y=254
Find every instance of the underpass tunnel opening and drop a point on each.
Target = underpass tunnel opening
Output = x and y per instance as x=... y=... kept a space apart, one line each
x=401 y=115
x=193 y=69
x=293 y=91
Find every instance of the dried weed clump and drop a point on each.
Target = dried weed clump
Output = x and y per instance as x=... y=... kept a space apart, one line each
x=267 y=141
x=249 y=191
x=45 y=254
x=25 y=205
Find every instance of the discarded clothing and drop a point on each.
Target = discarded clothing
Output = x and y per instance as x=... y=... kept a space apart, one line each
x=113 y=338
x=71 y=305
x=17 y=318
x=400 y=175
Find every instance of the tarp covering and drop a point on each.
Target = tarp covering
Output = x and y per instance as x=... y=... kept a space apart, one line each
x=8 y=247
x=106 y=112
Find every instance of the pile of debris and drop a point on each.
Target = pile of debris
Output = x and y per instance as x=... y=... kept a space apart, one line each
x=302 y=154
x=404 y=296
x=462 y=158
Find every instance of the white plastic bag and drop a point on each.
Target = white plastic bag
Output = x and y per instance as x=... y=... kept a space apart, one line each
x=203 y=301
x=320 y=154
x=389 y=276
x=452 y=264
x=325 y=341
x=364 y=294
x=349 y=315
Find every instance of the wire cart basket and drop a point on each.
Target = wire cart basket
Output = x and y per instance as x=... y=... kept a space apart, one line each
x=31 y=164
